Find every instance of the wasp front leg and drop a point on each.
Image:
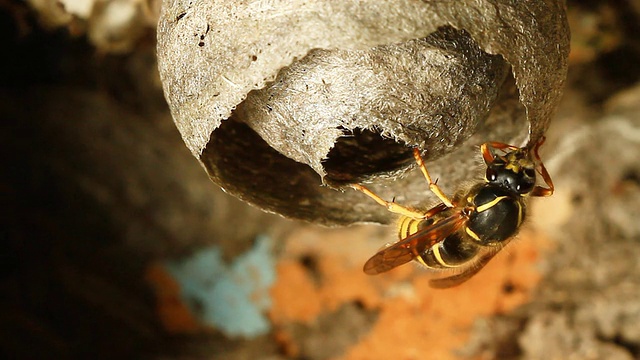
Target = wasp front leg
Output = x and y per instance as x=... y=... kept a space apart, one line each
x=539 y=190
x=433 y=186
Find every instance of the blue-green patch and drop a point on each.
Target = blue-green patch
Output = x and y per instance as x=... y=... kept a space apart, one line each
x=230 y=297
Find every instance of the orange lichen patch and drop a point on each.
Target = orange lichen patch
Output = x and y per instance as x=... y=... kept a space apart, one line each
x=298 y=297
x=414 y=321
x=301 y=293
x=174 y=315
x=294 y=295
x=352 y=245
x=333 y=277
x=345 y=284
x=432 y=324
x=406 y=330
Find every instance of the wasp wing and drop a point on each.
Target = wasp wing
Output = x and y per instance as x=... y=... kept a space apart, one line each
x=410 y=247
x=468 y=272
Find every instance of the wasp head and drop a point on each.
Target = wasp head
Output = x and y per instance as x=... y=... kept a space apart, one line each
x=513 y=171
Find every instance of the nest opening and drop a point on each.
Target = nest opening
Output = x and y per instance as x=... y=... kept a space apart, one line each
x=362 y=154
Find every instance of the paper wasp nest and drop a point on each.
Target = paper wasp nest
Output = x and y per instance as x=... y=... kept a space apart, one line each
x=284 y=102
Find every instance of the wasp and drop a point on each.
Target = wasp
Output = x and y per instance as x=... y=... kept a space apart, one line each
x=465 y=232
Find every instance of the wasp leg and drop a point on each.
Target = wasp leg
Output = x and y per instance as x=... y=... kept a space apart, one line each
x=390 y=205
x=486 y=153
x=539 y=190
x=432 y=185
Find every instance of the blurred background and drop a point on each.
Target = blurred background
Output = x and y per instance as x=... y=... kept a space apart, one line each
x=115 y=244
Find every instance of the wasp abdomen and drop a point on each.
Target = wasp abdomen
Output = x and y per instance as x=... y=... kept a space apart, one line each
x=498 y=215
x=453 y=251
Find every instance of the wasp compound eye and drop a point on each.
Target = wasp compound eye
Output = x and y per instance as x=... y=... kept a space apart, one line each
x=525 y=185
x=530 y=172
x=491 y=175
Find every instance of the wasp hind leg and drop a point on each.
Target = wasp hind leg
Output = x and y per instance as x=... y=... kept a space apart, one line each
x=433 y=186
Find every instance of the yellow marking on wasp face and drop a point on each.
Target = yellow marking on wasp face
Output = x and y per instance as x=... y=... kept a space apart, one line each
x=520 y=214
x=488 y=205
x=513 y=166
x=472 y=234
x=436 y=253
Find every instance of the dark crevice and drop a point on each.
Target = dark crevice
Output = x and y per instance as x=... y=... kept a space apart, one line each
x=508 y=346
x=632 y=347
x=508 y=287
x=631 y=176
x=361 y=154
x=310 y=263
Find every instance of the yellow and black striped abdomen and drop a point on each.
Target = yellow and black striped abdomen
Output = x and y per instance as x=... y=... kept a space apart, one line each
x=454 y=250
x=409 y=226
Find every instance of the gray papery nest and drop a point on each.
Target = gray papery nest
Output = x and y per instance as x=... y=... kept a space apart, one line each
x=286 y=102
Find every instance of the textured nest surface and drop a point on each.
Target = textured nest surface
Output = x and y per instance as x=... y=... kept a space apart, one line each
x=277 y=101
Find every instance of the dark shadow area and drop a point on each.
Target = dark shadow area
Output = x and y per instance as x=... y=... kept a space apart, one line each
x=362 y=154
x=97 y=186
x=283 y=184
